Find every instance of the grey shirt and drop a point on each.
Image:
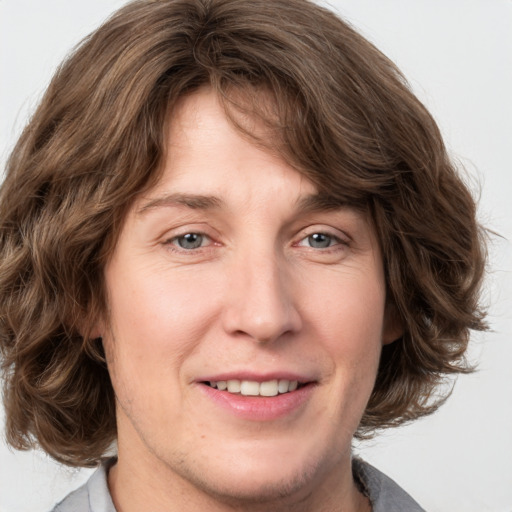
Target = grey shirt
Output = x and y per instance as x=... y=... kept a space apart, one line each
x=383 y=492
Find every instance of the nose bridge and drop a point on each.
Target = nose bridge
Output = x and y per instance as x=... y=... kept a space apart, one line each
x=260 y=296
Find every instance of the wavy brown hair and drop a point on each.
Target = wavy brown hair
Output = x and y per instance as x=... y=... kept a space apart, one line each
x=340 y=113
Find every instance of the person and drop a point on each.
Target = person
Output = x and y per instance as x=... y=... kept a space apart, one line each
x=230 y=245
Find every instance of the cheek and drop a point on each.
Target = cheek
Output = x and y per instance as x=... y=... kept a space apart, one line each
x=348 y=308
x=155 y=308
x=349 y=323
x=154 y=325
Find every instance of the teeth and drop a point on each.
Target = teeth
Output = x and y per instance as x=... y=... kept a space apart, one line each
x=249 y=388
x=283 y=386
x=253 y=388
x=268 y=388
x=233 y=386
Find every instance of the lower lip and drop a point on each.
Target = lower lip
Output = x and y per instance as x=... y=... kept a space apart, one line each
x=259 y=408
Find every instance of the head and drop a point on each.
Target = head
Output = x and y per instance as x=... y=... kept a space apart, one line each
x=309 y=93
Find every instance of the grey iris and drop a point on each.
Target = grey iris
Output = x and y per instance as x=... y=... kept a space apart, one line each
x=190 y=241
x=319 y=240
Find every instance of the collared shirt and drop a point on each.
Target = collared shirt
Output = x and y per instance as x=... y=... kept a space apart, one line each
x=384 y=494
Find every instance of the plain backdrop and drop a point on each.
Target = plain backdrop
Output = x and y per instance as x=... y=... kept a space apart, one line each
x=457 y=55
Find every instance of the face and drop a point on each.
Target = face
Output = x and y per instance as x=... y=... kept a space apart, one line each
x=245 y=323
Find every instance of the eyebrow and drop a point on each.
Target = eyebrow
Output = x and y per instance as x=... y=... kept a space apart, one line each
x=305 y=204
x=320 y=202
x=193 y=201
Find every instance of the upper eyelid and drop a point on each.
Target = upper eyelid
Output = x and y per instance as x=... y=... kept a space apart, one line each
x=212 y=234
x=186 y=229
x=338 y=240
x=327 y=230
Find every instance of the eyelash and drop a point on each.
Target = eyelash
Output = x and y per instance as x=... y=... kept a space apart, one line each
x=333 y=240
x=174 y=241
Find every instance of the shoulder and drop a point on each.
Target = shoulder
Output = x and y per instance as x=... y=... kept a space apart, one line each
x=384 y=493
x=93 y=496
x=76 y=501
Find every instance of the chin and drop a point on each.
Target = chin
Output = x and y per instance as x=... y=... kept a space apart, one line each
x=257 y=477
x=255 y=485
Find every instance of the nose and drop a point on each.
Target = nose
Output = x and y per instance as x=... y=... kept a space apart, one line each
x=260 y=302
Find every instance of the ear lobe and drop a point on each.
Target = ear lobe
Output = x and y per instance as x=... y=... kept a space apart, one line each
x=90 y=330
x=95 y=332
x=393 y=328
x=91 y=321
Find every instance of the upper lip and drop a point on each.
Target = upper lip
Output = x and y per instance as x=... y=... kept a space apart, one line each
x=256 y=377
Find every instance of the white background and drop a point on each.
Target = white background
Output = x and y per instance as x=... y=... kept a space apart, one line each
x=457 y=55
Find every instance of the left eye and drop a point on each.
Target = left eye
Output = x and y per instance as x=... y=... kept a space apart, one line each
x=190 y=241
x=319 y=241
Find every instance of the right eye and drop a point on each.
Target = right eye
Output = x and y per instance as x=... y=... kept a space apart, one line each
x=319 y=241
x=190 y=241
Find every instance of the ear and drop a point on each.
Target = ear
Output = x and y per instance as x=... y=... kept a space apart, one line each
x=90 y=329
x=393 y=328
x=96 y=332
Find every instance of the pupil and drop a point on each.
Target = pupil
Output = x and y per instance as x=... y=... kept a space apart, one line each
x=320 y=241
x=190 y=241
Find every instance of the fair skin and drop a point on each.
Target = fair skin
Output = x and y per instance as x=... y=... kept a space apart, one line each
x=226 y=271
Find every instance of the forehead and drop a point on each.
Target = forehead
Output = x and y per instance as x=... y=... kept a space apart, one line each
x=205 y=151
x=204 y=119
x=210 y=164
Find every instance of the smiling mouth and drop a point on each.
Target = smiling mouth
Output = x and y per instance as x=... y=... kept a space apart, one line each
x=252 y=388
